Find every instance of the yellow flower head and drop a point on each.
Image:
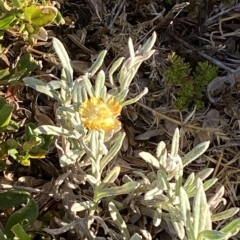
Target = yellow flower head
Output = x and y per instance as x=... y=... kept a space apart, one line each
x=99 y=115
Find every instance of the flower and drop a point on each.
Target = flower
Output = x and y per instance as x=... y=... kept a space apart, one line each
x=96 y=114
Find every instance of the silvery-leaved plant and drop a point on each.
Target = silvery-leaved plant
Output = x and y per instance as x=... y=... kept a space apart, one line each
x=87 y=129
x=181 y=202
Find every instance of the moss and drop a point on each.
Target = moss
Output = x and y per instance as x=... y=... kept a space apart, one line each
x=189 y=83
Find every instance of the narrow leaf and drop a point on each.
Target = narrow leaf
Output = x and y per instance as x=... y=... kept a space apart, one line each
x=65 y=60
x=149 y=158
x=195 y=153
x=200 y=209
x=225 y=214
x=115 y=191
x=98 y=63
x=113 y=151
x=212 y=235
x=118 y=220
x=232 y=228
x=41 y=87
x=78 y=207
x=175 y=143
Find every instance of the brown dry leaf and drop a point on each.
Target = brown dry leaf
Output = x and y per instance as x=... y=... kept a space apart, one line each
x=130 y=135
x=29 y=181
x=211 y=120
x=125 y=144
x=11 y=92
x=125 y=167
x=98 y=7
x=5 y=183
x=80 y=66
x=4 y=62
x=43 y=119
x=170 y=126
x=151 y=133
x=221 y=86
x=131 y=113
x=42 y=199
x=136 y=160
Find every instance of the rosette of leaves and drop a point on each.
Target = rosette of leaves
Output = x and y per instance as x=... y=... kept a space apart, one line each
x=88 y=129
x=182 y=202
x=28 y=18
x=30 y=146
x=190 y=85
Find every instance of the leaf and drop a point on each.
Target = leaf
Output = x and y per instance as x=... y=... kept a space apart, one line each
x=205 y=173
x=200 y=210
x=19 y=232
x=70 y=157
x=136 y=236
x=24 y=160
x=209 y=183
x=114 y=191
x=156 y=193
x=12 y=126
x=59 y=19
x=113 y=151
x=98 y=63
x=65 y=60
x=41 y=87
x=157 y=218
x=118 y=220
x=137 y=98
x=112 y=175
x=178 y=226
x=17 y=3
x=232 y=228
x=99 y=83
x=195 y=153
x=163 y=182
x=3 y=73
x=225 y=214
x=149 y=158
x=161 y=154
x=175 y=143
x=189 y=183
x=78 y=207
x=113 y=68
x=212 y=235
x=29 y=145
x=13 y=198
x=25 y=217
x=5 y=113
x=26 y=63
x=56 y=131
x=149 y=44
x=40 y=16
x=2 y=236
x=186 y=213
x=5 y=22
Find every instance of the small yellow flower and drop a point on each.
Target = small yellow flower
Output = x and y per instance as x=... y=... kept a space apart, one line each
x=99 y=115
